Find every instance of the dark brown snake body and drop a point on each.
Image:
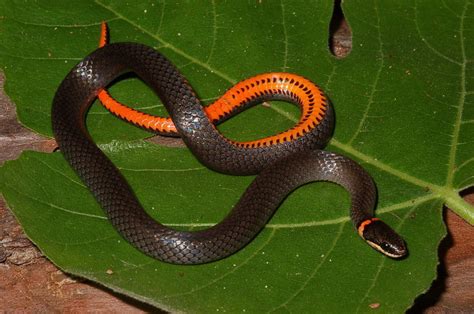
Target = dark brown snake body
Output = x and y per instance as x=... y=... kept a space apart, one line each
x=282 y=166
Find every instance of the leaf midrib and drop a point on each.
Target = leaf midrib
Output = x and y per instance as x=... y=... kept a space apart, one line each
x=170 y=46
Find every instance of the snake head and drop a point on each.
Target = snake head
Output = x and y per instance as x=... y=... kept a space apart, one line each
x=382 y=238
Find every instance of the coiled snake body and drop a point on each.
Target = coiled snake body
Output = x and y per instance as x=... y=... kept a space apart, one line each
x=283 y=162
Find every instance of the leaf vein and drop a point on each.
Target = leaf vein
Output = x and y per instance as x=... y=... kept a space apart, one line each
x=425 y=41
x=465 y=163
x=214 y=31
x=161 y=170
x=160 y=23
x=285 y=37
x=62 y=25
x=170 y=46
x=376 y=80
x=313 y=273
x=460 y=109
x=234 y=269
x=61 y=173
x=309 y=224
x=49 y=204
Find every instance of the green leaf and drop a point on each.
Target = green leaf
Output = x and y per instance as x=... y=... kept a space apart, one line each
x=402 y=100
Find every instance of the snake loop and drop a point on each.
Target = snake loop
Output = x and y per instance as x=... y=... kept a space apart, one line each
x=283 y=162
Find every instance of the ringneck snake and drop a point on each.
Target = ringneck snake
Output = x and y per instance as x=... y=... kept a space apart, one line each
x=283 y=162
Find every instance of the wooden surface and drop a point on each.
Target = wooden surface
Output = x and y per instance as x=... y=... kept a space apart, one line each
x=29 y=282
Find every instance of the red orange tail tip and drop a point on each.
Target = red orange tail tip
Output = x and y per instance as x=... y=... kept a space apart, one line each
x=104 y=34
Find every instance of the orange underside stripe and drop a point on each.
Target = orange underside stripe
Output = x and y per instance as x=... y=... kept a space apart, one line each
x=310 y=98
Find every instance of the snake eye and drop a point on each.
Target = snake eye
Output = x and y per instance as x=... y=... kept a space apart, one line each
x=385 y=246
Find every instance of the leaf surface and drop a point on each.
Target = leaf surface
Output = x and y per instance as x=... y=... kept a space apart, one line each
x=403 y=101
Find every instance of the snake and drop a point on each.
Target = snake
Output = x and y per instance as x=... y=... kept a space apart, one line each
x=281 y=163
